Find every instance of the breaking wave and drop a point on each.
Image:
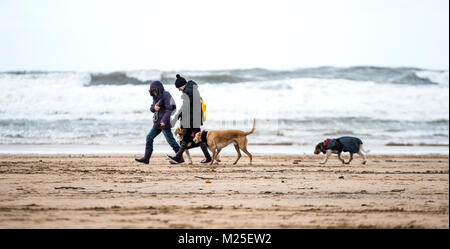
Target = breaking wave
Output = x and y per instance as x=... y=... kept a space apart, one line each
x=115 y=78
x=382 y=104
x=384 y=75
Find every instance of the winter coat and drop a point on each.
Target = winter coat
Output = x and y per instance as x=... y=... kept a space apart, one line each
x=166 y=108
x=190 y=112
x=346 y=144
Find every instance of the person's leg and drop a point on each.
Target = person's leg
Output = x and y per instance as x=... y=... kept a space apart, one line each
x=150 y=137
x=188 y=136
x=204 y=148
x=171 y=140
x=178 y=158
x=149 y=146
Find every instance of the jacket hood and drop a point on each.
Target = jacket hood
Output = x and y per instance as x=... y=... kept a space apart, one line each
x=159 y=86
x=189 y=88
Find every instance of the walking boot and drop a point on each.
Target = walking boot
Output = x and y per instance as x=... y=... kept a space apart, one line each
x=146 y=158
x=178 y=158
x=168 y=156
x=204 y=148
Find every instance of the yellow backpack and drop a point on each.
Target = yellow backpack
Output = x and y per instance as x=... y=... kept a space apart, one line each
x=203 y=110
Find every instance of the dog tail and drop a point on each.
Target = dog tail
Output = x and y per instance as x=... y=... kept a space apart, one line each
x=254 y=128
x=363 y=150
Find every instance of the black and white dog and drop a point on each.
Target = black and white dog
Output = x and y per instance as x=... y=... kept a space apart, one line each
x=339 y=145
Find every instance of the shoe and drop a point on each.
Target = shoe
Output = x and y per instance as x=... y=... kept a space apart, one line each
x=146 y=158
x=204 y=148
x=178 y=158
x=206 y=161
x=173 y=160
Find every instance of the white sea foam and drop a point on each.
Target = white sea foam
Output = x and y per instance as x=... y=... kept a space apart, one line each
x=315 y=98
x=440 y=77
x=65 y=108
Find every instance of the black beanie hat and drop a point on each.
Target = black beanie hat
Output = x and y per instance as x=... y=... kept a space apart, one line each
x=180 y=81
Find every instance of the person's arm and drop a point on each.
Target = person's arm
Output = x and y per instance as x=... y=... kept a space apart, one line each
x=167 y=110
x=179 y=114
x=152 y=107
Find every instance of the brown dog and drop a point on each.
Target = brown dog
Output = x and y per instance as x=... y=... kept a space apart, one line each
x=219 y=139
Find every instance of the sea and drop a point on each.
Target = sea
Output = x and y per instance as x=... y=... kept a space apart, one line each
x=398 y=109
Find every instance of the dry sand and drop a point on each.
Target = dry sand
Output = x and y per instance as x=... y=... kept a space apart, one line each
x=113 y=191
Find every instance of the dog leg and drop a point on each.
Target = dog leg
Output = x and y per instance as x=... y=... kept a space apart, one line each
x=363 y=156
x=244 y=149
x=339 y=157
x=238 y=152
x=351 y=158
x=361 y=148
x=189 y=156
x=327 y=155
x=217 y=155
x=214 y=154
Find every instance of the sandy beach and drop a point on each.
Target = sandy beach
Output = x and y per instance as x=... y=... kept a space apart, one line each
x=113 y=191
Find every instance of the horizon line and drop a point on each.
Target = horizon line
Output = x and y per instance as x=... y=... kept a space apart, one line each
x=213 y=70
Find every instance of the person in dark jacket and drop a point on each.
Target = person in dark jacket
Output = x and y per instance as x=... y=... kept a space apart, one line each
x=191 y=119
x=162 y=107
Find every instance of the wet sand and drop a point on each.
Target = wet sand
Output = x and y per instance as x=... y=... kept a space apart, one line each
x=114 y=191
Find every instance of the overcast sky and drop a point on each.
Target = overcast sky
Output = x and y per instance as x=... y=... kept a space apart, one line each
x=94 y=35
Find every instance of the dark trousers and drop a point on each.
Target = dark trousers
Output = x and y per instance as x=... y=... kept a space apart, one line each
x=189 y=134
x=167 y=134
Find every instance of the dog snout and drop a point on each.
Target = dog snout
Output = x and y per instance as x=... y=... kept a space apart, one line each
x=196 y=140
x=317 y=150
x=198 y=137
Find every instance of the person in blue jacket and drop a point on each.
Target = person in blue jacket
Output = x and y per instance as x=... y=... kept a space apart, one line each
x=163 y=105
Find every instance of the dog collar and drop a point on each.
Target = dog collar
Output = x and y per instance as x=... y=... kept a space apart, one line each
x=326 y=143
x=204 y=133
